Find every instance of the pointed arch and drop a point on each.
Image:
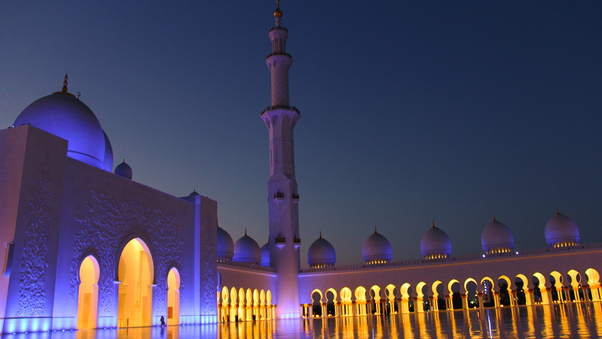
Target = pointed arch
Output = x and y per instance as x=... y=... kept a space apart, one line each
x=173 y=297
x=136 y=276
x=87 y=304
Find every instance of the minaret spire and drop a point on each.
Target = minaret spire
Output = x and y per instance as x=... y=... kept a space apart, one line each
x=283 y=197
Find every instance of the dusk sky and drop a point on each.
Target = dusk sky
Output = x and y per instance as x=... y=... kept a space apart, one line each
x=410 y=111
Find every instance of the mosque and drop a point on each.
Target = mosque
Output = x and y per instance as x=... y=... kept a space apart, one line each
x=86 y=246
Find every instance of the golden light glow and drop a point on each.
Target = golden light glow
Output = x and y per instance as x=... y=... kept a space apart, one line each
x=87 y=305
x=136 y=273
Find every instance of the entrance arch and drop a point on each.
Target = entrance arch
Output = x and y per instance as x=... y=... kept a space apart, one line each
x=136 y=273
x=173 y=297
x=87 y=302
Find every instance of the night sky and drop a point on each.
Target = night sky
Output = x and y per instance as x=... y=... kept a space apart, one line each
x=410 y=111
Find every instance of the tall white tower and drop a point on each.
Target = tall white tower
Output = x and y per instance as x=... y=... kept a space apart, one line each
x=280 y=118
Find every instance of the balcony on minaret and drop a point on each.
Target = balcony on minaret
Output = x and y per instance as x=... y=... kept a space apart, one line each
x=272 y=108
x=280 y=241
x=278 y=196
x=297 y=241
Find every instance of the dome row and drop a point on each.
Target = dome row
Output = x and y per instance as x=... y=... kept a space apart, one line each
x=496 y=238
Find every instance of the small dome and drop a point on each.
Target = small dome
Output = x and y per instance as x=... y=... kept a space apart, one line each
x=225 y=245
x=247 y=250
x=435 y=244
x=67 y=117
x=321 y=253
x=265 y=255
x=124 y=170
x=377 y=249
x=561 y=231
x=497 y=238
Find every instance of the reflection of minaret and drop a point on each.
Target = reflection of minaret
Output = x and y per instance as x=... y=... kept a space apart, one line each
x=280 y=119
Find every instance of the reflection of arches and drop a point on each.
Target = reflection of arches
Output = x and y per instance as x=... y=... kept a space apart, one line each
x=87 y=303
x=173 y=297
x=136 y=274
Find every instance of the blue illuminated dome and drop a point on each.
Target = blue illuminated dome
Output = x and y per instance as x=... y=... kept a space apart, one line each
x=377 y=249
x=225 y=245
x=321 y=253
x=265 y=255
x=124 y=170
x=561 y=231
x=497 y=238
x=247 y=250
x=63 y=115
x=435 y=244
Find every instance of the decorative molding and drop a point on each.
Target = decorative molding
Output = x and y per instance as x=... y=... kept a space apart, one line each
x=34 y=264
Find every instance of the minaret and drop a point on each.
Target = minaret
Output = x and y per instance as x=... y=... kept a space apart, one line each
x=280 y=118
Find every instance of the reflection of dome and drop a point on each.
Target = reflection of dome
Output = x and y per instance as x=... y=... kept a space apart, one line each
x=321 y=253
x=265 y=254
x=497 y=238
x=247 y=250
x=561 y=231
x=377 y=249
x=435 y=244
x=124 y=170
x=67 y=117
x=225 y=245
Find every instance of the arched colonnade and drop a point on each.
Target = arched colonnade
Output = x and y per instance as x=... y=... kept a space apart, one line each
x=486 y=291
x=244 y=305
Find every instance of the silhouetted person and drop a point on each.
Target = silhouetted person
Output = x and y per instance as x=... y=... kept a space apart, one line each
x=162 y=321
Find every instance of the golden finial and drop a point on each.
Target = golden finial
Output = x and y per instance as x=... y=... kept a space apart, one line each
x=245 y=231
x=64 y=90
x=433 y=223
x=320 y=234
x=375 y=229
x=494 y=217
x=557 y=211
x=277 y=12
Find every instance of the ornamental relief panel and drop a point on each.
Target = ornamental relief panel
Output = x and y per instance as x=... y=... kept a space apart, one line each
x=102 y=228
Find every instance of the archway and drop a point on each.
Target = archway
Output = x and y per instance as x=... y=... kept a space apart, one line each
x=173 y=297
x=136 y=274
x=316 y=297
x=87 y=304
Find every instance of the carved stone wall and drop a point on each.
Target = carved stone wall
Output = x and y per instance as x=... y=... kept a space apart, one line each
x=105 y=224
x=34 y=264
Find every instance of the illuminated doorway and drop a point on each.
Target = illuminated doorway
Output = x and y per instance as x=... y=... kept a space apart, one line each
x=136 y=289
x=173 y=297
x=87 y=304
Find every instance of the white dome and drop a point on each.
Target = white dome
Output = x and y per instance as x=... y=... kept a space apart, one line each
x=561 y=231
x=435 y=244
x=67 y=117
x=377 y=249
x=124 y=170
x=265 y=254
x=247 y=250
x=320 y=253
x=497 y=238
x=225 y=245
